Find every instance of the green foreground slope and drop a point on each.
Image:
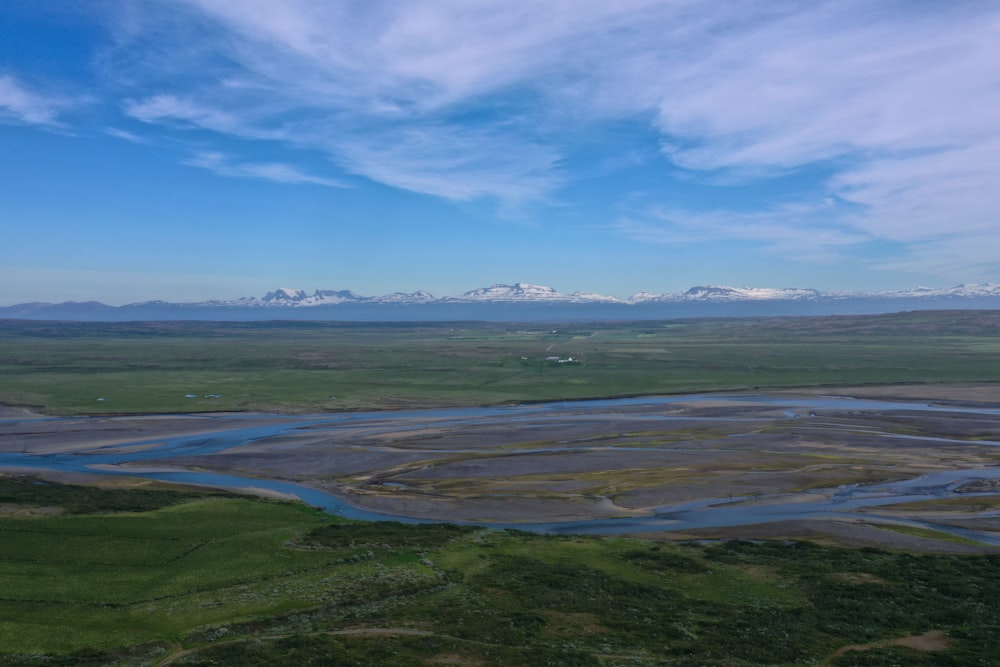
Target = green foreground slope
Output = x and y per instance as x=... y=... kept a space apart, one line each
x=81 y=368
x=236 y=581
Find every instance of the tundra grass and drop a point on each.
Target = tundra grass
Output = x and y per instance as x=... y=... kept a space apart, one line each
x=203 y=366
x=972 y=504
x=928 y=533
x=237 y=581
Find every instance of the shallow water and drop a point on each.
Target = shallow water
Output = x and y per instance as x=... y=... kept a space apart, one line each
x=719 y=512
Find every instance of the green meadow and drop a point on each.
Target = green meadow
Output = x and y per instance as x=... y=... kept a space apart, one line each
x=198 y=579
x=65 y=368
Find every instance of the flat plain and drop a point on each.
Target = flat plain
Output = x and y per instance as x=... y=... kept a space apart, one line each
x=184 y=367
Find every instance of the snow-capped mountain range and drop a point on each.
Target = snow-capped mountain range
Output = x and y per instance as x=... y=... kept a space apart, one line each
x=516 y=293
x=523 y=301
x=528 y=293
x=297 y=297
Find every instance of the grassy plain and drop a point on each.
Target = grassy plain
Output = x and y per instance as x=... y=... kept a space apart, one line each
x=140 y=367
x=220 y=580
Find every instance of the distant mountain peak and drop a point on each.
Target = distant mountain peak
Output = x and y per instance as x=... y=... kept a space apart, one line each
x=699 y=300
x=521 y=292
x=639 y=297
x=526 y=293
x=722 y=292
x=420 y=296
x=284 y=294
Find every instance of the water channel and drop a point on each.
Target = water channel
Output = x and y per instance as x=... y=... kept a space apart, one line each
x=843 y=501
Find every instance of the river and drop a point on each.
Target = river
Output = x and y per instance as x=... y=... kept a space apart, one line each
x=840 y=502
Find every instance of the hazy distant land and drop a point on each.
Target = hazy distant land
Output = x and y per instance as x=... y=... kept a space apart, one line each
x=523 y=302
x=164 y=367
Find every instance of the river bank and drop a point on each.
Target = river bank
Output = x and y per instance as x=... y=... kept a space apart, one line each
x=707 y=462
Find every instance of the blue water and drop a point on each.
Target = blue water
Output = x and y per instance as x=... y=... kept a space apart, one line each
x=710 y=513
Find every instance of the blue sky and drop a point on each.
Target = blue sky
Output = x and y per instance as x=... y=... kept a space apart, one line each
x=200 y=149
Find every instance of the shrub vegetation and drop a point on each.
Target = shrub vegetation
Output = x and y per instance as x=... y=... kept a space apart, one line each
x=227 y=580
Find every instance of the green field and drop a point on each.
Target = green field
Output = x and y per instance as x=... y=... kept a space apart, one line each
x=152 y=367
x=221 y=580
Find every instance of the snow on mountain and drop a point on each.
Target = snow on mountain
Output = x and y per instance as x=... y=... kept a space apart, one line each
x=296 y=298
x=723 y=293
x=526 y=292
x=590 y=297
x=642 y=297
x=284 y=296
x=958 y=291
x=420 y=296
x=324 y=297
x=986 y=294
x=515 y=292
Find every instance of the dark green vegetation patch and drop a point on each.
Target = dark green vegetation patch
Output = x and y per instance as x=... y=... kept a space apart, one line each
x=386 y=533
x=327 y=366
x=237 y=581
x=73 y=499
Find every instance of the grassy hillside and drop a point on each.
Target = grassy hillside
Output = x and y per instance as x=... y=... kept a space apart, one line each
x=234 y=581
x=187 y=367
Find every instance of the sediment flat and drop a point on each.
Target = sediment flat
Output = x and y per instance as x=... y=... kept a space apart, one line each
x=726 y=454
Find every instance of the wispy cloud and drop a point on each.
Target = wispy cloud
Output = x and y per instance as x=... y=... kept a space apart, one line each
x=19 y=103
x=833 y=80
x=804 y=232
x=930 y=194
x=465 y=100
x=171 y=109
x=385 y=91
x=949 y=258
x=267 y=171
x=125 y=135
x=451 y=162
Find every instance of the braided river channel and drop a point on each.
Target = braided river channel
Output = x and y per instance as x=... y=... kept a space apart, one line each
x=380 y=465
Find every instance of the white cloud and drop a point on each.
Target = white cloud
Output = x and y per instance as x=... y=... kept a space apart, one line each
x=458 y=163
x=379 y=86
x=803 y=232
x=21 y=104
x=837 y=79
x=950 y=259
x=934 y=194
x=173 y=109
x=455 y=163
x=463 y=99
x=125 y=135
x=267 y=171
